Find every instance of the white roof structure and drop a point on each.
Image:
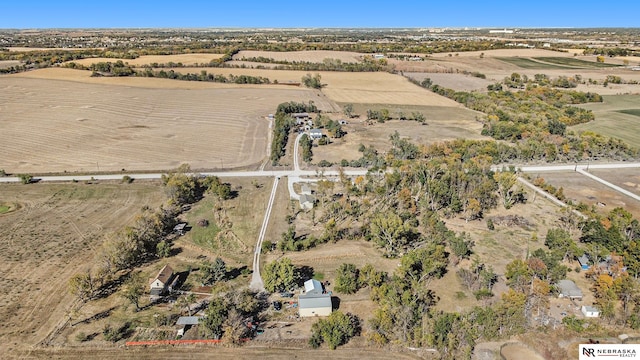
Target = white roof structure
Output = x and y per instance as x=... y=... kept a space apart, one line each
x=312 y=287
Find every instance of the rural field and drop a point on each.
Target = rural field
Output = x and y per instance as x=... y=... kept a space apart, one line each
x=313 y=56
x=52 y=233
x=617 y=116
x=185 y=59
x=443 y=124
x=580 y=188
x=94 y=127
x=350 y=87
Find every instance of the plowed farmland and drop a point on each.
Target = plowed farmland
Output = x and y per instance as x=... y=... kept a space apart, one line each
x=57 y=126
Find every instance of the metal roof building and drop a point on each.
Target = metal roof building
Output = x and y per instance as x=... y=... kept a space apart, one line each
x=314 y=301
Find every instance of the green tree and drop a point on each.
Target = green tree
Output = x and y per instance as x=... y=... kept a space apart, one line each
x=347 y=279
x=215 y=317
x=133 y=288
x=313 y=82
x=279 y=275
x=214 y=272
x=337 y=329
x=347 y=110
x=389 y=231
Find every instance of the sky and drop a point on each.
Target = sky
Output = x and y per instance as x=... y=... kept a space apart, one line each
x=16 y=14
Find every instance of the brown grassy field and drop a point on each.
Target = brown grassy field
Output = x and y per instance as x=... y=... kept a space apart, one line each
x=579 y=188
x=443 y=124
x=458 y=82
x=186 y=59
x=56 y=126
x=344 y=87
x=51 y=237
x=316 y=56
x=8 y=63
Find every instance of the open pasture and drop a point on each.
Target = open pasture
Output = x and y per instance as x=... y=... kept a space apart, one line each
x=57 y=126
x=51 y=236
x=617 y=116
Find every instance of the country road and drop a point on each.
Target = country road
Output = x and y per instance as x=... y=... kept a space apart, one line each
x=256 y=279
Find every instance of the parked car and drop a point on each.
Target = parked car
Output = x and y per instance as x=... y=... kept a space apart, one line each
x=286 y=294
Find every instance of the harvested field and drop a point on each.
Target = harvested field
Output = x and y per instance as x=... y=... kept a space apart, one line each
x=89 y=127
x=185 y=59
x=517 y=351
x=4 y=64
x=628 y=179
x=315 y=56
x=359 y=87
x=580 y=188
x=458 y=82
x=52 y=236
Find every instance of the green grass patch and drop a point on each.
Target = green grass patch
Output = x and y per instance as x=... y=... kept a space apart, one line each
x=575 y=63
x=634 y=112
x=527 y=63
x=203 y=236
x=4 y=208
x=318 y=276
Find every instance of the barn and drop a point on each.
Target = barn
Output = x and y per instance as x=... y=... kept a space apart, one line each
x=314 y=301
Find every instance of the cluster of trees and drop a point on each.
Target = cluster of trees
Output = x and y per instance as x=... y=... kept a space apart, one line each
x=204 y=76
x=611 y=52
x=314 y=82
x=283 y=125
x=147 y=238
x=306 y=143
x=335 y=330
x=535 y=121
x=118 y=68
x=225 y=315
x=328 y=64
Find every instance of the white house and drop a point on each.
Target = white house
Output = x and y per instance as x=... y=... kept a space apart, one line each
x=314 y=301
x=590 y=311
x=307 y=201
x=315 y=134
x=159 y=284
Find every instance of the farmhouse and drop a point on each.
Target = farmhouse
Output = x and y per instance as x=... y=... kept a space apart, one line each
x=314 y=301
x=569 y=289
x=160 y=284
x=315 y=134
x=307 y=201
x=590 y=311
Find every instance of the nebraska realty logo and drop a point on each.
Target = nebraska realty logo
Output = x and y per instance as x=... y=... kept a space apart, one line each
x=609 y=351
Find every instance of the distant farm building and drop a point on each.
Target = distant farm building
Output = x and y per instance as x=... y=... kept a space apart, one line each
x=584 y=262
x=590 y=311
x=300 y=118
x=180 y=229
x=315 y=134
x=159 y=285
x=307 y=201
x=314 y=301
x=569 y=289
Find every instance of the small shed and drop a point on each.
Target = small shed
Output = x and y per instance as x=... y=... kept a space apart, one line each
x=180 y=228
x=569 y=289
x=315 y=301
x=307 y=201
x=315 y=134
x=185 y=322
x=590 y=311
